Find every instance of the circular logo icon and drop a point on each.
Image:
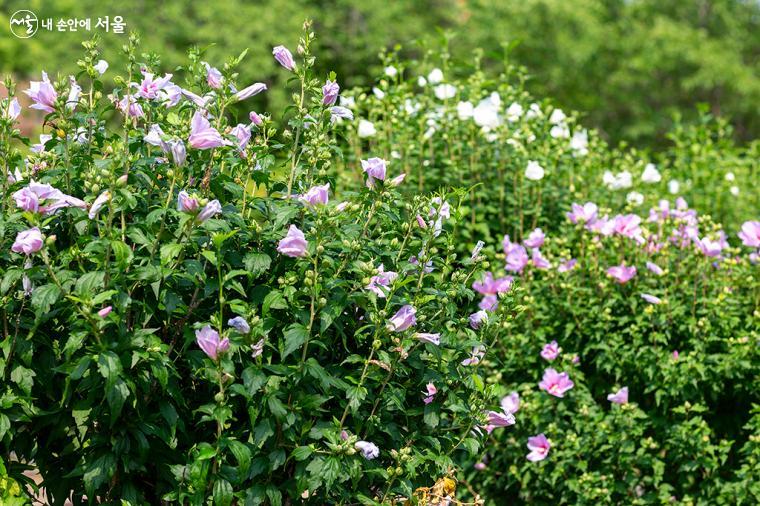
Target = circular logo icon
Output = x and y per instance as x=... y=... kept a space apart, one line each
x=24 y=24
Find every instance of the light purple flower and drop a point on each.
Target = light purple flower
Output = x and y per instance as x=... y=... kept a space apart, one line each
x=101 y=67
x=397 y=180
x=375 y=169
x=40 y=148
x=651 y=298
x=369 y=450
x=208 y=340
x=489 y=303
x=179 y=154
x=475 y=356
x=477 y=318
x=294 y=244
x=556 y=383
x=28 y=241
x=619 y=397
x=538 y=261
x=503 y=419
x=539 y=448
x=105 y=311
x=403 y=319
x=516 y=256
x=14 y=109
x=492 y=286
x=129 y=106
x=711 y=247
x=243 y=134
x=675 y=355
x=477 y=249
x=43 y=198
x=98 y=204
x=316 y=195
x=155 y=137
x=550 y=351
x=535 y=239
x=380 y=283
x=750 y=234
x=567 y=265
x=480 y=466
x=337 y=112
x=201 y=102
x=213 y=76
x=284 y=57
x=27 y=200
x=583 y=213
x=170 y=95
x=250 y=91
x=426 y=337
x=238 y=323
x=511 y=403
x=74 y=91
x=149 y=87
x=203 y=135
x=209 y=210
x=42 y=94
x=622 y=273
x=429 y=393
x=655 y=268
x=257 y=348
x=255 y=118
x=330 y=92
x=186 y=203
x=627 y=225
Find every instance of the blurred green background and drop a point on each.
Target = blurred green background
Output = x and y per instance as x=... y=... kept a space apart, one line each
x=629 y=65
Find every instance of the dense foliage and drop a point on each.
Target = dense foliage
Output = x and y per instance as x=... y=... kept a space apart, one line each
x=629 y=65
x=632 y=290
x=336 y=336
x=439 y=290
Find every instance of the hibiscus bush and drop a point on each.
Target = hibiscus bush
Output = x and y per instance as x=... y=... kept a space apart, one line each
x=190 y=315
x=523 y=159
x=442 y=291
x=631 y=363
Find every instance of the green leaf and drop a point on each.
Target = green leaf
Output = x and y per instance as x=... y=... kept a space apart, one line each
x=242 y=455
x=205 y=452
x=122 y=254
x=10 y=278
x=302 y=453
x=257 y=263
x=109 y=366
x=24 y=378
x=5 y=424
x=274 y=300
x=276 y=407
x=295 y=336
x=98 y=472
x=89 y=284
x=222 y=492
x=116 y=394
x=210 y=256
x=169 y=252
x=45 y=296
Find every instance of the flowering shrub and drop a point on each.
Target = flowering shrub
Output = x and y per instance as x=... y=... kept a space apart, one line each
x=630 y=366
x=198 y=306
x=524 y=160
x=189 y=313
x=638 y=349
